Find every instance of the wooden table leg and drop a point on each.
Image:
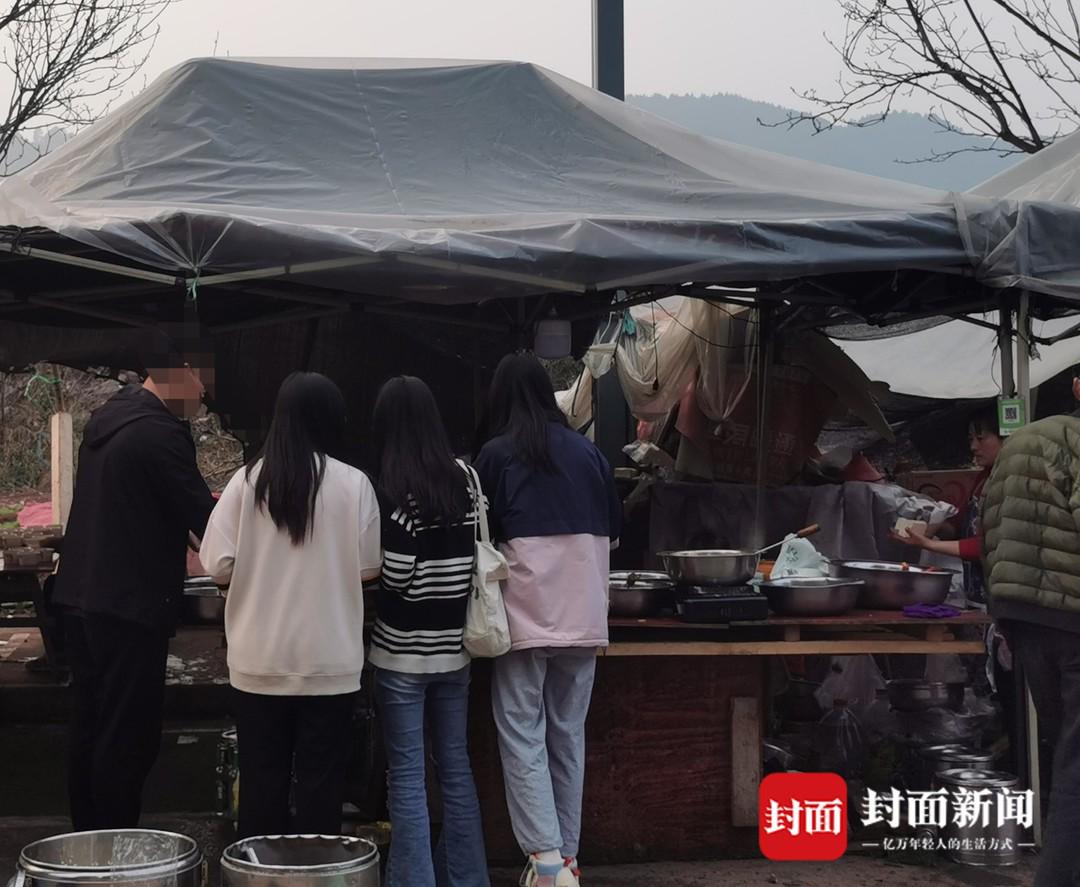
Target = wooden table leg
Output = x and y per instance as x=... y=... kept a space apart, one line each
x=745 y=760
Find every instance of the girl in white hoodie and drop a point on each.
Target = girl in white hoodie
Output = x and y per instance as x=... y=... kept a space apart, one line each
x=294 y=535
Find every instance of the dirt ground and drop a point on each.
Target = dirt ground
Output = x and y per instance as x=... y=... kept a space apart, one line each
x=858 y=871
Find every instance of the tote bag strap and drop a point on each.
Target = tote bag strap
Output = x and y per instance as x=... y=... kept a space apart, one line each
x=483 y=531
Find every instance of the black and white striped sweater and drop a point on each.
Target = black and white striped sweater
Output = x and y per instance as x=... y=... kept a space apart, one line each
x=426 y=579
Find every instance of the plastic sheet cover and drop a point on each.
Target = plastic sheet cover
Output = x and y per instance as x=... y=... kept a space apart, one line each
x=444 y=181
x=1026 y=235
x=957 y=360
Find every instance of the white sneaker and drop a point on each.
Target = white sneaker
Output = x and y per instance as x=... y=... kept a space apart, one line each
x=559 y=874
x=569 y=875
x=541 y=874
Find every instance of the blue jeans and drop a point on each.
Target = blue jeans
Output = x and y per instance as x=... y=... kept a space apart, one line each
x=459 y=859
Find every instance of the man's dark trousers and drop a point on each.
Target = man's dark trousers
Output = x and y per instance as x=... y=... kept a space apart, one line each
x=118 y=690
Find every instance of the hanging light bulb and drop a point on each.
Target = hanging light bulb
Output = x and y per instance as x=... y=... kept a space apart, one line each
x=553 y=337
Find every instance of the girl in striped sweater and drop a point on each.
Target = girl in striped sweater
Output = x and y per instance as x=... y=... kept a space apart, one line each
x=429 y=505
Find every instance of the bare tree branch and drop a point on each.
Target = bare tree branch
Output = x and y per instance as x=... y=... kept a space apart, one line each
x=1005 y=70
x=67 y=61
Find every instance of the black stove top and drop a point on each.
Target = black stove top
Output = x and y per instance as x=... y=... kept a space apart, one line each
x=724 y=603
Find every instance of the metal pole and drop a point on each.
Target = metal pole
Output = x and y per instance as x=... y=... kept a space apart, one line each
x=1005 y=349
x=764 y=368
x=612 y=421
x=608 y=48
x=1023 y=356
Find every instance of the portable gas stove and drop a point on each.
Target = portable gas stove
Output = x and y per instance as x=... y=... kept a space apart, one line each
x=720 y=603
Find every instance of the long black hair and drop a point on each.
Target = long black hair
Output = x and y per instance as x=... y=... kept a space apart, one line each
x=521 y=405
x=414 y=462
x=308 y=426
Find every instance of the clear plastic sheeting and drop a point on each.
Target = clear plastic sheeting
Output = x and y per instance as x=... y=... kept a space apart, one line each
x=660 y=349
x=446 y=181
x=1023 y=224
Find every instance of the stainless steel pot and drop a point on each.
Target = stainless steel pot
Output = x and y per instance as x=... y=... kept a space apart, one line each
x=915 y=694
x=979 y=844
x=719 y=566
x=811 y=595
x=204 y=601
x=136 y=857
x=934 y=759
x=300 y=861
x=893 y=586
x=636 y=594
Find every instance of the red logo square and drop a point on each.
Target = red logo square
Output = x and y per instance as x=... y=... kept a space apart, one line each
x=803 y=816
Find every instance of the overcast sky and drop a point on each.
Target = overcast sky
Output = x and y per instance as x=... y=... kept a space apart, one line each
x=756 y=48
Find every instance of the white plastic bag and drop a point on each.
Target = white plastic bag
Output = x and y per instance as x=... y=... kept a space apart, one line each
x=798 y=557
x=855 y=679
x=487 y=632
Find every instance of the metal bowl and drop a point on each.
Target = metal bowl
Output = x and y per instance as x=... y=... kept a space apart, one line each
x=204 y=602
x=634 y=594
x=811 y=595
x=721 y=566
x=893 y=586
x=914 y=694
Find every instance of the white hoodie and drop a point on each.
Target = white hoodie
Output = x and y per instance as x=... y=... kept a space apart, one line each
x=294 y=615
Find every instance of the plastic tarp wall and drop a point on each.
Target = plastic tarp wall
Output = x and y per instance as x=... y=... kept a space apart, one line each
x=449 y=181
x=957 y=359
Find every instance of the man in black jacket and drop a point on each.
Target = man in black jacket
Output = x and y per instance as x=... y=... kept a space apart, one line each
x=138 y=495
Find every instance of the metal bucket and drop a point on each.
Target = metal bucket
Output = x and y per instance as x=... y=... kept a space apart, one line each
x=979 y=844
x=228 y=776
x=300 y=861
x=122 y=857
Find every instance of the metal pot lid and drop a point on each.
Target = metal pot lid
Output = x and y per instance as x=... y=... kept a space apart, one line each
x=977 y=778
x=812 y=582
x=628 y=580
x=936 y=751
x=966 y=756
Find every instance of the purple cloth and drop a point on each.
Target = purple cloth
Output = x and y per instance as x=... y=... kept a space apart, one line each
x=930 y=611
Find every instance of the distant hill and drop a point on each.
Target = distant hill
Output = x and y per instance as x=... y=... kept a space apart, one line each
x=880 y=149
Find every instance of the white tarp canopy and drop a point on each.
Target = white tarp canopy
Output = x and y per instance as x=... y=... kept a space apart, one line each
x=454 y=181
x=957 y=359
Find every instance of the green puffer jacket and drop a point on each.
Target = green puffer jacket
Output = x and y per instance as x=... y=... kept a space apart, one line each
x=1031 y=525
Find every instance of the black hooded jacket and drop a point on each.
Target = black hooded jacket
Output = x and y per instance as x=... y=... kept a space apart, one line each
x=138 y=493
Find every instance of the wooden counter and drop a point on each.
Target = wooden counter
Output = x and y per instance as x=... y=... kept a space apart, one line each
x=675 y=728
x=860 y=631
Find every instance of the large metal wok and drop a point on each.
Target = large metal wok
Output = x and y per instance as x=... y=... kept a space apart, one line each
x=719 y=566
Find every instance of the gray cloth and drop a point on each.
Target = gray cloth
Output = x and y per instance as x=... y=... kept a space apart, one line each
x=1051 y=662
x=540 y=698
